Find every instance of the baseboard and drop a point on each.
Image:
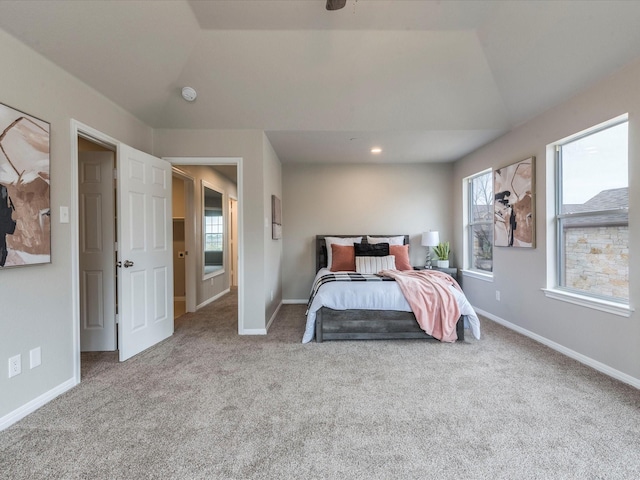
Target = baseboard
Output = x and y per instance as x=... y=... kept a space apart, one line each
x=253 y=331
x=212 y=299
x=36 y=403
x=590 y=362
x=293 y=301
x=273 y=317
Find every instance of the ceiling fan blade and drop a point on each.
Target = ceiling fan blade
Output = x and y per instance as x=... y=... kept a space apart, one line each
x=336 y=4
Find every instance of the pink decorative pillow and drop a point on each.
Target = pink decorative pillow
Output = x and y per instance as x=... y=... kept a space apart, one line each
x=344 y=258
x=401 y=252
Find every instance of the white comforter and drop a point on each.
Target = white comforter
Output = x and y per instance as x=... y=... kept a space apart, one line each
x=373 y=296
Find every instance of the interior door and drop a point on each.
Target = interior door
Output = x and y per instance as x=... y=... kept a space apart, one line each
x=97 y=255
x=145 y=249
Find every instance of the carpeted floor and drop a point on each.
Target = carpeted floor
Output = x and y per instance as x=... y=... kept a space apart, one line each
x=209 y=404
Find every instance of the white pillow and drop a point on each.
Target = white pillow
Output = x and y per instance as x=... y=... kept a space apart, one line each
x=338 y=241
x=390 y=240
x=375 y=264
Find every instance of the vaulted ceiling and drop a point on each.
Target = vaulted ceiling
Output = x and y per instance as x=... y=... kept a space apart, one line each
x=426 y=81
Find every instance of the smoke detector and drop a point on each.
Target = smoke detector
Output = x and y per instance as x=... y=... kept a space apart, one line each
x=189 y=94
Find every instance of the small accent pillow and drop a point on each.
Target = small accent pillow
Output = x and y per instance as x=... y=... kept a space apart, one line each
x=401 y=252
x=344 y=258
x=375 y=264
x=375 y=250
x=399 y=240
x=338 y=241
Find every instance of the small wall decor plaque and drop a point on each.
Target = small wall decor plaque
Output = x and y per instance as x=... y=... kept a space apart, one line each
x=276 y=218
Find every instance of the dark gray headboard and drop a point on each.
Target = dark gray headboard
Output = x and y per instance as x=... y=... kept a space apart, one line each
x=321 y=246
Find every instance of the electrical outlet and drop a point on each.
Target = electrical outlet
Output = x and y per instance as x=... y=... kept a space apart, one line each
x=15 y=366
x=498 y=295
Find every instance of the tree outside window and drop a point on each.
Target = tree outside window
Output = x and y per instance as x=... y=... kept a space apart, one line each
x=480 y=228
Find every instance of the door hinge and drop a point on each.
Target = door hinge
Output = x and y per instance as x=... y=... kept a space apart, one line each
x=117 y=319
x=115 y=174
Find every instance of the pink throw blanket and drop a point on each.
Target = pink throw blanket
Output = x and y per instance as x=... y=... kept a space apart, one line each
x=427 y=293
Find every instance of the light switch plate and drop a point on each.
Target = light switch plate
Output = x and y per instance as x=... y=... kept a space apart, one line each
x=35 y=357
x=64 y=214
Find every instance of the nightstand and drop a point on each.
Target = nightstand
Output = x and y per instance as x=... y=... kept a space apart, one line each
x=449 y=271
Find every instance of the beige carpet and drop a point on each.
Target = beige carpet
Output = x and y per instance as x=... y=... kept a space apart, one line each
x=208 y=404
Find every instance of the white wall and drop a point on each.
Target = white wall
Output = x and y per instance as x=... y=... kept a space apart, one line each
x=359 y=199
x=273 y=248
x=609 y=342
x=36 y=302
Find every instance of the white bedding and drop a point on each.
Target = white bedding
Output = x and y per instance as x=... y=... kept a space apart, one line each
x=373 y=296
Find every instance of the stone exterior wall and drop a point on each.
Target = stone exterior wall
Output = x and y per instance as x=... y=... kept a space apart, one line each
x=597 y=260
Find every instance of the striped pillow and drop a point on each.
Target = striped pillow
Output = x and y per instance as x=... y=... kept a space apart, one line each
x=375 y=264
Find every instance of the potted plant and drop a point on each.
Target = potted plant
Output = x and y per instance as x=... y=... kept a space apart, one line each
x=442 y=252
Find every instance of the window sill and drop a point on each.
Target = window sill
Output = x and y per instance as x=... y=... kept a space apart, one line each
x=487 y=277
x=619 y=309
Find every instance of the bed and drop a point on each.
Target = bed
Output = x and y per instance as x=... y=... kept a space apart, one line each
x=367 y=310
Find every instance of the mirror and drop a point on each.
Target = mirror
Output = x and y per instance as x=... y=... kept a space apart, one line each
x=213 y=231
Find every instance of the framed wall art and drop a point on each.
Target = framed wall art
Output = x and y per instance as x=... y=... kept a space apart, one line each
x=514 y=205
x=25 y=212
x=276 y=218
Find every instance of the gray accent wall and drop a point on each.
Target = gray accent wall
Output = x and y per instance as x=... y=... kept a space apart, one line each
x=360 y=198
x=607 y=341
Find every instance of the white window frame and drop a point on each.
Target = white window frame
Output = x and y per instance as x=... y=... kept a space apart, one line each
x=216 y=225
x=556 y=260
x=469 y=223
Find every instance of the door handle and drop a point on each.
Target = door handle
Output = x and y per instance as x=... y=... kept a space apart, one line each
x=128 y=263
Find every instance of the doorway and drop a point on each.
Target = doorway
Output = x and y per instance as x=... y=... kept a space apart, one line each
x=97 y=237
x=184 y=268
x=139 y=247
x=231 y=168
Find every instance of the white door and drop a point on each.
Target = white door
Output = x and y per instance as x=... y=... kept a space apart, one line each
x=145 y=249
x=97 y=256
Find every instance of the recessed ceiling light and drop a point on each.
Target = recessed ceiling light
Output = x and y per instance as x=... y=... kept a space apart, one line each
x=189 y=94
x=376 y=150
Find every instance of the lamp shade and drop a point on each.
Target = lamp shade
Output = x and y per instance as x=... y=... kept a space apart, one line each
x=430 y=239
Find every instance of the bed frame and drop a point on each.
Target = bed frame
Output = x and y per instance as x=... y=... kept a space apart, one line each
x=366 y=324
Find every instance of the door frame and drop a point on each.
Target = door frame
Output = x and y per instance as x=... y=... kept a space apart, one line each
x=233 y=222
x=78 y=129
x=237 y=161
x=190 y=237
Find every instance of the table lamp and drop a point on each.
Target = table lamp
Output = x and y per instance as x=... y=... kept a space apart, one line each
x=430 y=239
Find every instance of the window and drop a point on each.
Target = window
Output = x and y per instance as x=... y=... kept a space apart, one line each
x=213 y=232
x=480 y=222
x=592 y=200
